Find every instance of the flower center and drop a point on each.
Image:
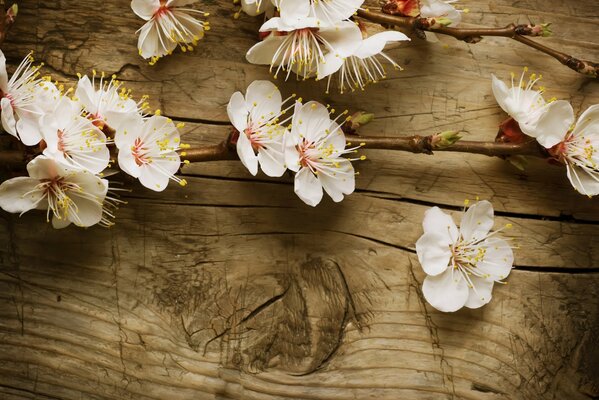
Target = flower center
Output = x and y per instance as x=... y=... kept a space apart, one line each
x=140 y=153
x=61 y=144
x=253 y=138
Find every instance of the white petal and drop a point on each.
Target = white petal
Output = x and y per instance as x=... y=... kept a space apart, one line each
x=342 y=183
x=311 y=121
x=477 y=221
x=8 y=119
x=156 y=175
x=330 y=11
x=584 y=181
x=447 y=292
x=60 y=223
x=180 y=3
x=262 y=52
x=86 y=94
x=89 y=211
x=18 y=195
x=294 y=10
x=436 y=221
x=307 y=187
x=29 y=130
x=238 y=112
x=128 y=164
x=376 y=43
x=272 y=158
x=438 y=8
x=3 y=74
x=264 y=100
x=332 y=63
x=42 y=167
x=500 y=91
x=246 y=154
x=344 y=38
x=480 y=294
x=145 y=8
x=292 y=156
x=552 y=125
x=433 y=253
x=588 y=122
x=131 y=127
x=498 y=259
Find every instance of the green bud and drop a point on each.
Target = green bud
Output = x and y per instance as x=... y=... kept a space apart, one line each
x=360 y=118
x=546 y=30
x=444 y=139
x=13 y=10
x=443 y=21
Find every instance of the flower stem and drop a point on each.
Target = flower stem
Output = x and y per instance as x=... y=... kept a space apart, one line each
x=475 y=35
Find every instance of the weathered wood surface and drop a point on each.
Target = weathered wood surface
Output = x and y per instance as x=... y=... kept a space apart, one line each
x=231 y=288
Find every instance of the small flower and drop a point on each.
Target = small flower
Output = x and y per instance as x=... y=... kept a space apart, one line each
x=441 y=9
x=327 y=12
x=169 y=25
x=256 y=117
x=314 y=149
x=462 y=264
x=525 y=104
x=110 y=103
x=148 y=150
x=68 y=195
x=20 y=111
x=577 y=146
x=363 y=66
x=301 y=47
x=74 y=140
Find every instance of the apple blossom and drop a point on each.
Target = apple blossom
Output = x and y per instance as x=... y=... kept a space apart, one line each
x=301 y=46
x=69 y=195
x=526 y=105
x=169 y=24
x=363 y=66
x=256 y=118
x=148 y=150
x=462 y=265
x=74 y=140
x=19 y=96
x=314 y=150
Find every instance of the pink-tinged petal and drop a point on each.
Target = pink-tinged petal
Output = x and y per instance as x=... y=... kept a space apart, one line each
x=552 y=125
x=477 y=221
x=374 y=44
x=264 y=101
x=584 y=181
x=481 y=294
x=436 y=221
x=246 y=154
x=447 y=292
x=307 y=187
x=588 y=122
x=343 y=182
x=145 y=9
x=262 y=53
x=344 y=38
x=42 y=167
x=128 y=163
x=3 y=74
x=89 y=206
x=8 y=119
x=433 y=252
x=498 y=259
x=238 y=112
x=156 y=175
x=18 y=195
x=130 y=127
x=29 y=130
x=292 y=156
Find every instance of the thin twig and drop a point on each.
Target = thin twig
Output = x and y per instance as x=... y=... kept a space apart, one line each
x=475 y=35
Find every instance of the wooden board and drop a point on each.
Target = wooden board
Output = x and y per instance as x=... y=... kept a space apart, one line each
x=231 y=288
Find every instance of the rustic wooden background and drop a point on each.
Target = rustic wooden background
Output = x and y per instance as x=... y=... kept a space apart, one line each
x=231 y=288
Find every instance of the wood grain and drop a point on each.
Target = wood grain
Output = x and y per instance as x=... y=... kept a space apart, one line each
x=231 y=288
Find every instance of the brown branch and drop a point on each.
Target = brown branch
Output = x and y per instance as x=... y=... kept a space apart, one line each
x=475 y=35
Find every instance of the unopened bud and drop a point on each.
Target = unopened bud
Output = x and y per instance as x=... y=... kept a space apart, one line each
x=360 y=118
x=442 y=21
x=444 y=139
x=12 y=12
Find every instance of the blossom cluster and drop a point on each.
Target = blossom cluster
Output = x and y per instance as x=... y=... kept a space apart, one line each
x=552 y=123
x=74 y=131
x=307 y=142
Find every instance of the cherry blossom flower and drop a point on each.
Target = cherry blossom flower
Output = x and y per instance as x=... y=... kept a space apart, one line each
x=148 y=150
x=301 y=47
x=526 y=105
x=74 y=140
x=257 y=7
x=69 y=195
x=363 y=66
x=19 y=103
x=326 y=12
x=314 y=149
x=169 y=24
x=462 y=265
x=110 y=103
x=577 y=146
x=441 y=9
x=257 y=118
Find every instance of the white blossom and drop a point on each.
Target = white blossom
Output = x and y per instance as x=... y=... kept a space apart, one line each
x=325 y=12
x=526 y=105
x=74 y=140
x=68 y=195
x=148 y=150
x=441 y=9
x=169 y=24
x=257 y=7
x=257 y=118
x=301 y=47
x=462 y=265
x=314 y=150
